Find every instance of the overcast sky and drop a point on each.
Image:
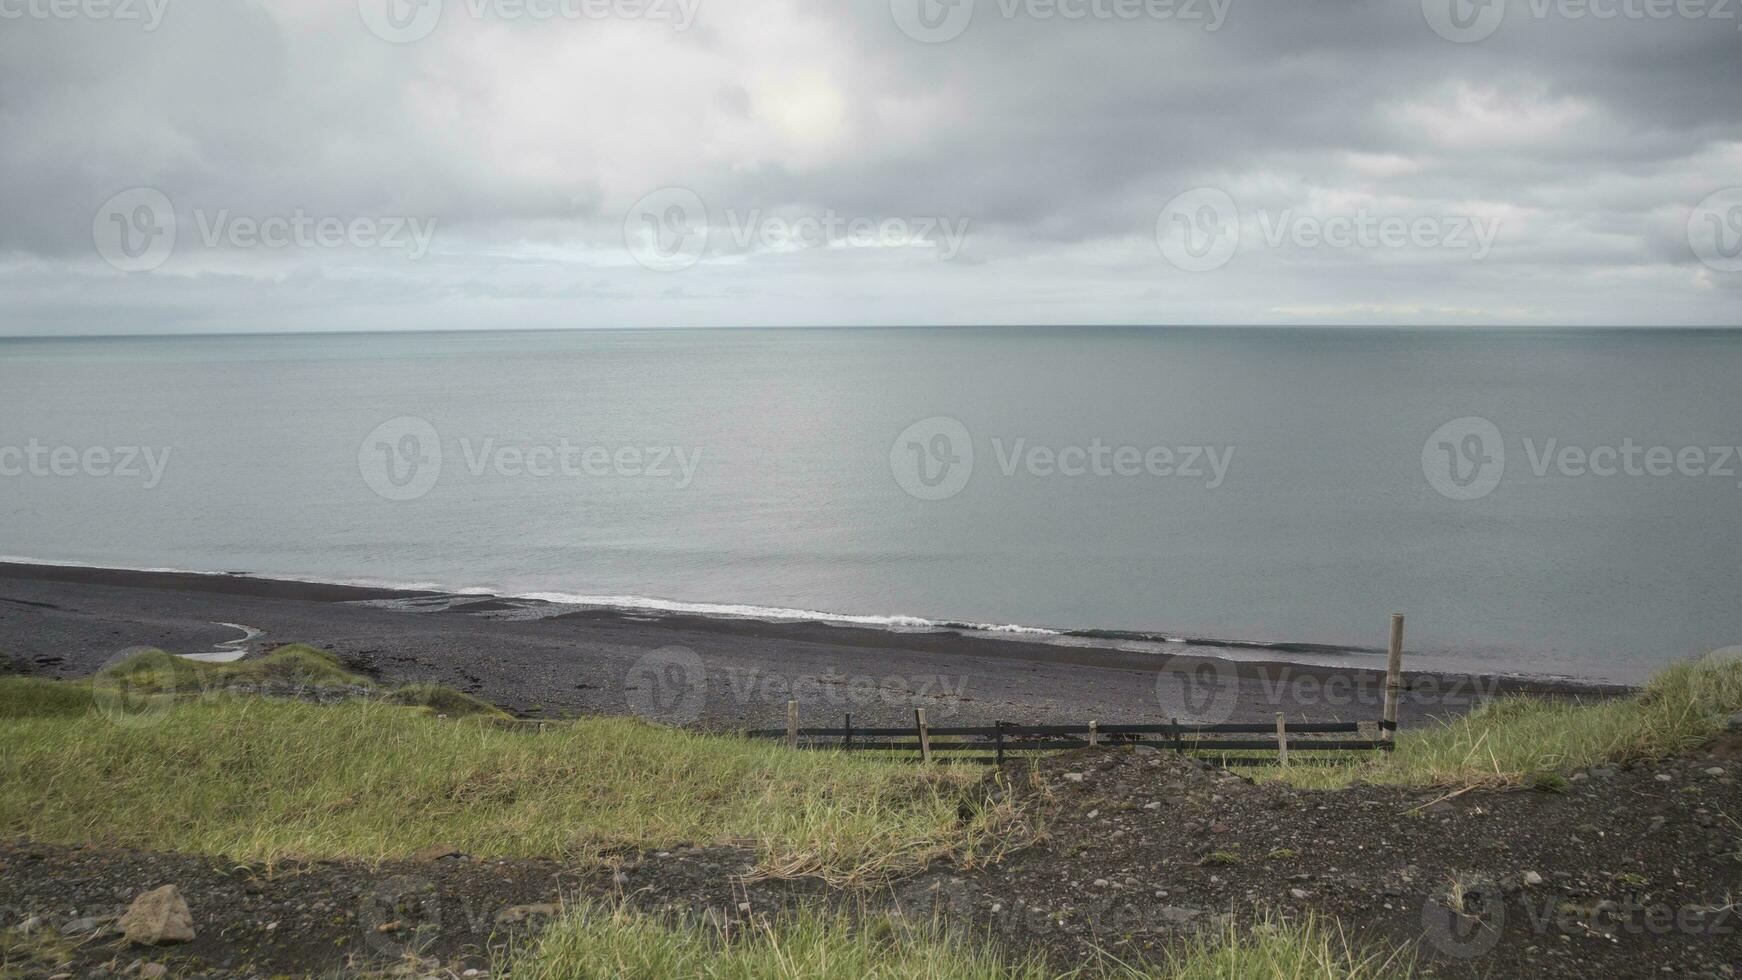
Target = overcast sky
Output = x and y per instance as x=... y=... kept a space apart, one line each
x=391 y=164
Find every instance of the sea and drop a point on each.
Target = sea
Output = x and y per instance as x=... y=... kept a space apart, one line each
x=1537 y=502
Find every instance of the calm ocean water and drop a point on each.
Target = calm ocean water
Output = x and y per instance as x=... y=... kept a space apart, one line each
x=1261 y=485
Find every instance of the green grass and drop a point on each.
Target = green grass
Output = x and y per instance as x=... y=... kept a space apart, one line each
x=440 y=700
x=265 y=778
x=596 y=943
x=154 y=671
x=1523 y=741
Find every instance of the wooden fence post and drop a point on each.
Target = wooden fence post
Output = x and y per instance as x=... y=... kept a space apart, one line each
x=1094 y=734
x=848 y=744
x=924 y=735
x=1393 y=679
x=998 y=737
x=1281 y=740
x=792 y=724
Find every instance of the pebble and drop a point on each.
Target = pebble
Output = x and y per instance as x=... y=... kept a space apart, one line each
x=1663 y=777
x=1655 y=826
x=1298 y=894
x=1152 y=806
x=1715 y=771
x=153 y=971
x=1073 y=777
x=1532 y=878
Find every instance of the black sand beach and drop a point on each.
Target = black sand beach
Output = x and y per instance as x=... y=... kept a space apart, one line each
x=540 y=660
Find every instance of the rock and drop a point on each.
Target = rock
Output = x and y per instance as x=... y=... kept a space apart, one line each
x=1735 y=722
x=1663 y=777
x=158 y=916
x=437 y=853
x=153 y=971
x=1655 y=825
x=1146 y=750
x=1152 y=806
x=1532 y=879
x=1100 y=882
x=30 y=925
x=1716 y=771
x=1298 y=894
x=520 y=913
x=1073 y=777
x=80 y=926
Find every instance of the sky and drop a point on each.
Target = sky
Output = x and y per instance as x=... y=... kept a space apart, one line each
x=173 y=166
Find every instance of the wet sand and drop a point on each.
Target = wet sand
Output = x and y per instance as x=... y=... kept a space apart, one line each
x=543 y=660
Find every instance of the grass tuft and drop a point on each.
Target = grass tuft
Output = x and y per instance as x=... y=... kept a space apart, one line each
x=594 y=943
x=1512 y=741
x=441 y=700
x=266 y=778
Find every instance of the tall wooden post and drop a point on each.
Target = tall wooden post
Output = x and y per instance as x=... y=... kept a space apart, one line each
x=924 y=735
x=792 y=724
x=1281 y=739
x=1393 y=680
x=1094 y=734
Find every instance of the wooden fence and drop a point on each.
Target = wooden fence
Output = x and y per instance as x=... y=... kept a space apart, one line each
x=1281 y=744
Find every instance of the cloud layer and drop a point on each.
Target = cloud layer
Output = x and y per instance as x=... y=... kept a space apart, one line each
x=593 y=163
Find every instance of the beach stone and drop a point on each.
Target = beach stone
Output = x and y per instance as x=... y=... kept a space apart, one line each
x=153 y=971
x=520 y=913
x=1531 y=878
x=158 y=916
x=1073 y=777
x=79 y=926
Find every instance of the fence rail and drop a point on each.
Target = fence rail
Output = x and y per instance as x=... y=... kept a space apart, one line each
x=1284 y=740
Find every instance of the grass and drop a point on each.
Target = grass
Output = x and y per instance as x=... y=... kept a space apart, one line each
x=266 y=778
x=157 y=672
x=1526 y=741
x=594 y=943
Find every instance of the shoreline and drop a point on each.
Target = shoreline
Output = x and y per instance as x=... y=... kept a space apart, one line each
x=1251 y=657
x=542 y=660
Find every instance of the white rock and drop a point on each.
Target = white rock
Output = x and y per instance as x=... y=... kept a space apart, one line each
x=1532 y=878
